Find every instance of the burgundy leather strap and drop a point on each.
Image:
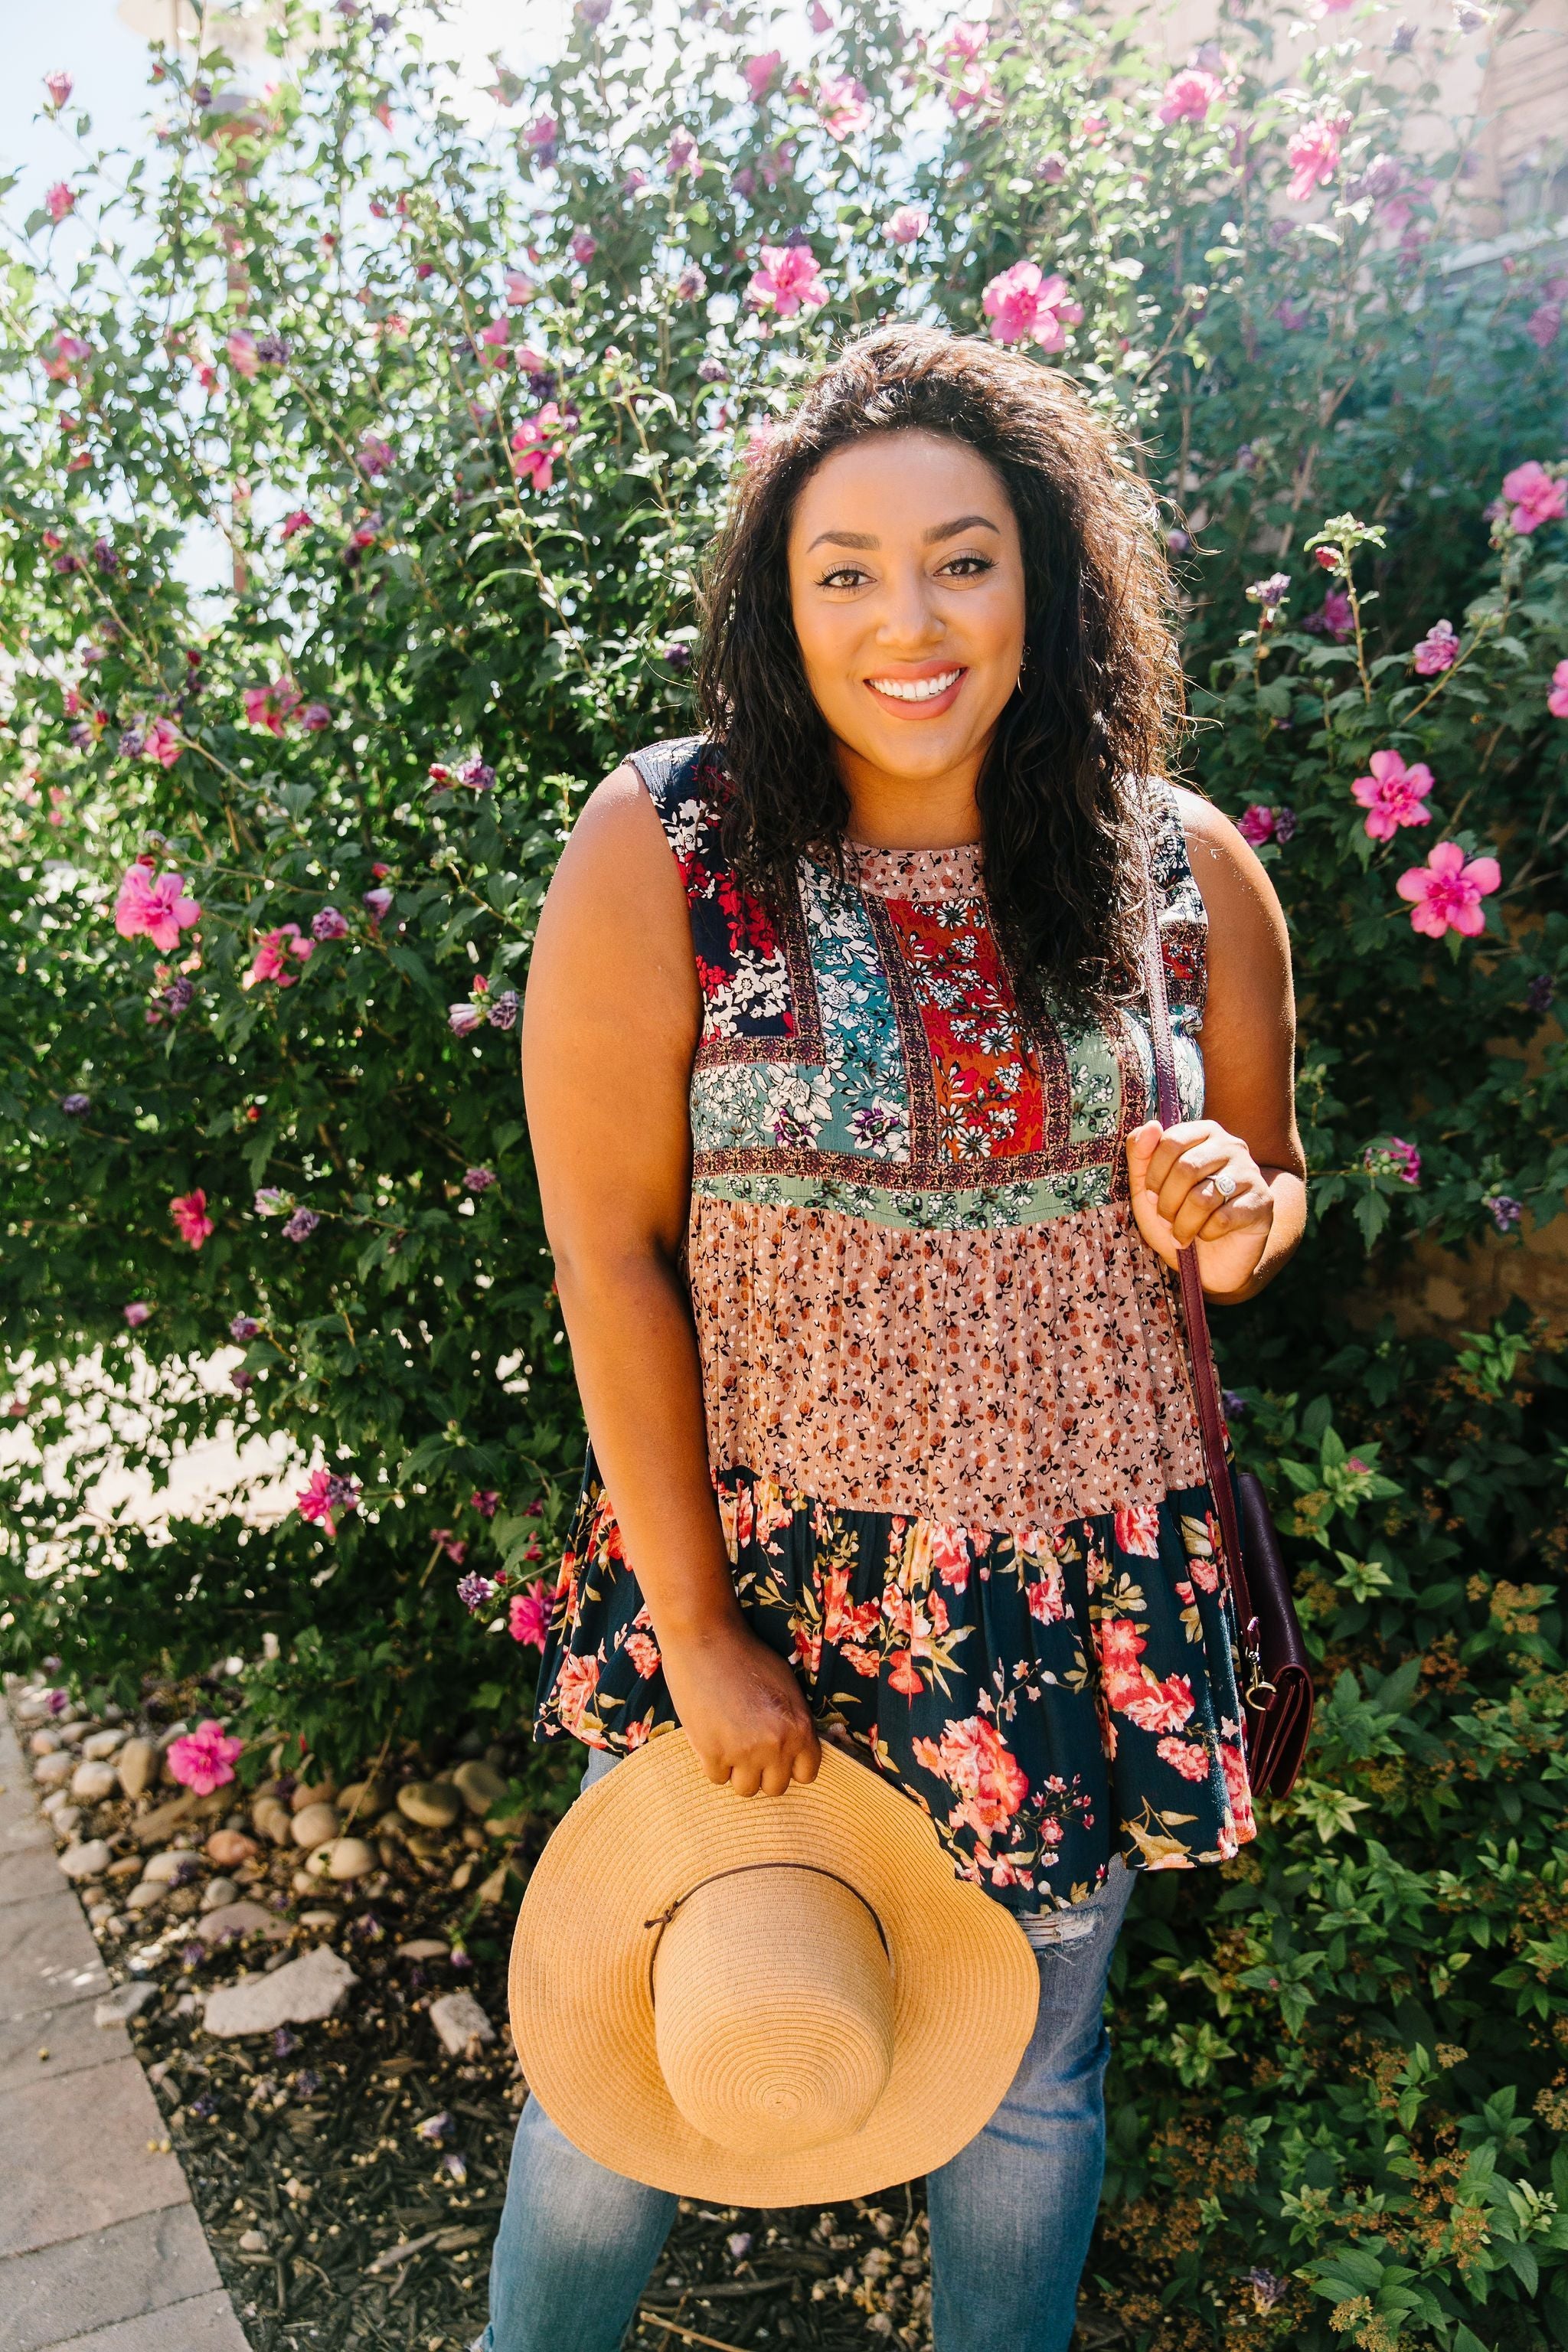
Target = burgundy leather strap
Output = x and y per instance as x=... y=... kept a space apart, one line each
x=1200 y=1348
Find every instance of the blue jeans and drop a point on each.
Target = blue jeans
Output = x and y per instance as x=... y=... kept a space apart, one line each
x=1011 y=2214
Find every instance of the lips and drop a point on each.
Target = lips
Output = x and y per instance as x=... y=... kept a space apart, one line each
x=926 y=706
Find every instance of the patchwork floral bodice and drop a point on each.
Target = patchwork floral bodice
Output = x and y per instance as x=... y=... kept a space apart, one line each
x=915 y=1275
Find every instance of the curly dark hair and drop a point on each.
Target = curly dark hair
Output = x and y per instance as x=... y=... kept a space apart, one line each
x=1099 y=697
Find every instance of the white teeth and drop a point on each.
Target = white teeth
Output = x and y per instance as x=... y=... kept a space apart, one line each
x=915 y=689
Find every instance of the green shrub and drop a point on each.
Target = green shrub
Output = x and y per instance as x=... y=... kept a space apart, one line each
x=349 y=526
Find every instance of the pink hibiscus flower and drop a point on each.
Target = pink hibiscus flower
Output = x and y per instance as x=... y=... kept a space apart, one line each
x=204 y=1760
x=841 y=101
x=1557 y=699
x=1544 y=325
x=60 y=86
x=1187 y=96
x=1024 y=305
x=1138 y=1530
x=761 y=73
x=301 y=519
x=1313 y=154
x=160 y=909
x=242 y=352
x=59 y=201
x=789 y=280
x=528 y=1618
x=1534 y=496
x=324 y=1493
x=518 y=287
x=533 y=451
x=1446 y=893
x=272 y=957
x=908 y=223
x=162 y=742
x=136 y=1314
x=271 y=706
x=189 y=1211
x=1392 y=796
x=1437 y=651
x=68 y=354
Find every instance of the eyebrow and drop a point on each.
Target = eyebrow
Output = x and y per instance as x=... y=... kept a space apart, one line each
x=938 y=530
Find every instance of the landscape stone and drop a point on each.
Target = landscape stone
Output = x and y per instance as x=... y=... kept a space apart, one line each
x=126 y=2002
x=163 y=1820
x=422 y=1947
x=100 y=1744
x=135 y=1765
x=314 y=1825
x=479 y=1784
x=85 y=1861
x=167 y=1868
x=433 y=1804
x=241 y=1918
x=320 y=1792
x=93 y=1783
x=43 y=1743
x=52 y=1771
x=362 y=1800
x=298 y=1993
x=321 y=1919
x=229 y=1848
x=150 y=1891
x=66 y=1819
x=217 y=1892
x=272 y=1819
x=350 y=1857
x=461 y=2024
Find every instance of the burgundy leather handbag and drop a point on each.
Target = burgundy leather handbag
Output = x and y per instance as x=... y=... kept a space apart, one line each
x=1277 y=1696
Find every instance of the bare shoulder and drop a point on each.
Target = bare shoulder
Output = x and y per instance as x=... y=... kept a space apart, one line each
x=617 y=835
x=1231 y=879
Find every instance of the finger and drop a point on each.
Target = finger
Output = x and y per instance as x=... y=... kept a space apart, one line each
x=1173 y=1144
x=808 y=1760
x=776 y=1775
x=1141 y=1144
x=746 y=1779
x=718 y=1772
x=1201 y=1159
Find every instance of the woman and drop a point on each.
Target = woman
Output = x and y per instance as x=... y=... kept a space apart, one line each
x=838 y=1080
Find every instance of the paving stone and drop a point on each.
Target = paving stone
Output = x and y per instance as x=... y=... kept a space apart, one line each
x=47 y=1953
x=27 y=1870
x=74 y=2164
x=136 y=2268
x=67 y=2032
x=205 y=2324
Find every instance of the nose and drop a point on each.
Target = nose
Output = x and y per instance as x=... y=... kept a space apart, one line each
x=908 y=623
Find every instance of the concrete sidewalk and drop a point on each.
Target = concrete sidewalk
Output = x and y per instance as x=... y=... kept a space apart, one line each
x=101 y=2250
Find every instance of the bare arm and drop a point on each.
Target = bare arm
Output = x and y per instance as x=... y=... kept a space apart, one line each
x=1248 y=1129
x=610 y=1026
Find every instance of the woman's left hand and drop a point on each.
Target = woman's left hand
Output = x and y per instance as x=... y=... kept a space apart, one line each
x=1175 y=1199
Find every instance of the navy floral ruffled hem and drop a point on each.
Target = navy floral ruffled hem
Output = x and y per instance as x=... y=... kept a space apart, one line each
x=1050 y=1699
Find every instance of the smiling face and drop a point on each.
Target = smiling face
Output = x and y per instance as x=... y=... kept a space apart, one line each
x=906 y=591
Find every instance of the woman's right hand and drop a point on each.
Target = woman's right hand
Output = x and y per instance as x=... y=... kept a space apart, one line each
x=743 y=1710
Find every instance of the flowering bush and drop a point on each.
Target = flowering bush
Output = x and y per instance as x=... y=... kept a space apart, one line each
x=359 y=472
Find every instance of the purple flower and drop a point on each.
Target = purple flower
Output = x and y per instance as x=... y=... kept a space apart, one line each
x=243 y=1328
x=677 y=658
x=434 y=2128
x=1403 y=40
x=203 y=2106
x=473 y=1592
x=270 y=1201
x=1290 y=315
x=314 y=716
x=1247 y=458
x=480 y=1179
x=1050 y=168
x=1284 y=825
x=328 y=924
x=692 y=285
x=201 y=93
x=130 y=741
x=379 y=902
x=284 y=2044
x=302 y=1224
x=1437 y=651
x=478 y=774
x=594 y=12
x=1506 y=1211
x=178 y=994
x=1538 y=995
x=1267 y=2289
x=712 y=370
x=1335 y=620
x=339 y=1493
x=1270 y=593
x=635 y=179
x=272 y=349
x=307 y=2082
x=136 y=1314
x=1235 y=1404
x=453 y=2164
x=463 y=1018
x=104 y=556
x=503 y=1010
x=1179 y=543
x=584 y=245
x=239 y=1377
x=73 y=1105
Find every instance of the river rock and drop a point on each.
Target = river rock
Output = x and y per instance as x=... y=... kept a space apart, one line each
x=362 y=1800
x=135 y=1765
x=271 y=1819
x=433 y=1804
x=243 y=1918
x=349 y=1857
x=321 y=1794
x=152 y=1828
x=100 y=1744
x=314 y=1825
x=229 y=1848
x=461 y=2024
x=166 y=1869
x=146 y=1894
x=478 y=1784
x=422 y=1947
x=92 y=1782
x=54 y=1770
x=298 y=1993
x=87 y=1861
x=126 y=2002
x=43 y=1743
x=217 y=1891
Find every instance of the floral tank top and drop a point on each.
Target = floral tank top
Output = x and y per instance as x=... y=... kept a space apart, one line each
x=949 y=1420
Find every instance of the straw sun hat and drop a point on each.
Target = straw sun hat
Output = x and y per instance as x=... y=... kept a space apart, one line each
x=763 y=2000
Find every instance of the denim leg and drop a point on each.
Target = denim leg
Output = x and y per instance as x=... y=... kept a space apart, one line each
x=576 y=2242
x=1012 y=2215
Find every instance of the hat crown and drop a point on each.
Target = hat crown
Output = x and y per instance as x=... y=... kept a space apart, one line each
x=773 y=2010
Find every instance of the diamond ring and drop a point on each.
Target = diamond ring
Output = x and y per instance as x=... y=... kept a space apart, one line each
x=1224 y=1183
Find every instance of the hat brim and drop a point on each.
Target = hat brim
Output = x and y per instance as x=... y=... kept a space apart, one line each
x=965 y=1983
